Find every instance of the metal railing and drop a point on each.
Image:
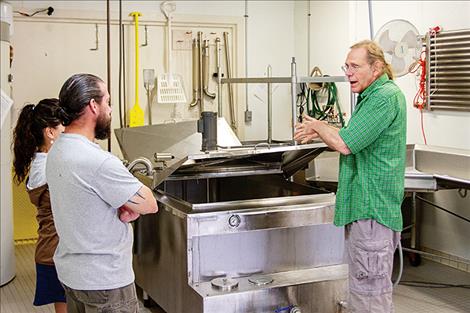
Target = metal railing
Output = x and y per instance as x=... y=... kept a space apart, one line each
x=293 y=80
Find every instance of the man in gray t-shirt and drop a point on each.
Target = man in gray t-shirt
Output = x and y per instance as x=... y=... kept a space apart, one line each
x=93 y=198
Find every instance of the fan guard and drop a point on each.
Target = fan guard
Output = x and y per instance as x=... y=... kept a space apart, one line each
x=401 y=44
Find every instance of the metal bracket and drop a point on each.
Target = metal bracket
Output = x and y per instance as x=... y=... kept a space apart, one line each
x=96 y=39
x=146 y=42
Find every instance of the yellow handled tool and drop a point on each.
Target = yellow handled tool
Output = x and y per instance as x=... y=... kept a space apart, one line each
x=136 y=114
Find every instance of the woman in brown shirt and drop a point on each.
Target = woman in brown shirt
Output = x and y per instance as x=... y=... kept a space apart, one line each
x=37 y=128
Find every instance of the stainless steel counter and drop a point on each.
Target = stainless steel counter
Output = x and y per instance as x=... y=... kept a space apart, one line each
x=428 y=169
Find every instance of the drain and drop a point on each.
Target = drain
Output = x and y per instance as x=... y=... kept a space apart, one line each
x=224 y=284
x=261 y=280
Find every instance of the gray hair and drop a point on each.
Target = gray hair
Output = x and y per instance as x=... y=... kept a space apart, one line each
x=374 y=53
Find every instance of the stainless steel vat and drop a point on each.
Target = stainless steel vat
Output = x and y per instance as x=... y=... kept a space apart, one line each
x=234 y=235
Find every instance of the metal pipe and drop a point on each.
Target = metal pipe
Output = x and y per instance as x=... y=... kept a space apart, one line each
x=457 y=46
x=163 y=156
x=438 y=67
x=108 y=56
x=170 y=42
x=429 y=254
x=120 y=66
x=257 y=80
x=428 y=70
x=321 y=79
x=453 y=55
x=293 y=70
x=282 y=80
x=458 y=32
x=195 y=73
x=206 y=62
x=201 y=81
x=449 y=42
x=143 y=161
x=124 y=77
x=230 y=90
x=219 y=77
x=449 y=106
x=246 y=54
x=371 y=24
x=442 y=208
x=413 y=220
x=270 y=111
x=149 y=104
x=308 y=36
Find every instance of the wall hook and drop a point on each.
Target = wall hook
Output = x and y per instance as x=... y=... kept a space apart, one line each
x=145 y=43
x=96 y=39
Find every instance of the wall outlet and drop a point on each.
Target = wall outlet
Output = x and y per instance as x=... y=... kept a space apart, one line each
x=248 y=116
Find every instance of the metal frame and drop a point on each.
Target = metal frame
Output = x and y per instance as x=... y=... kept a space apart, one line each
x=293 y=80
x=448 y=70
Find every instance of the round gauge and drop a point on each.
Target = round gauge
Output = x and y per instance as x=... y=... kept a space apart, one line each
x=234 y=220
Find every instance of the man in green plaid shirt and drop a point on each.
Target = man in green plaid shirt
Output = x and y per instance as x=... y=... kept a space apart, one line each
x=371 y=176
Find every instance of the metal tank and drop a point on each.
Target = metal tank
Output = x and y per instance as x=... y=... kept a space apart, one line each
x=233 y=233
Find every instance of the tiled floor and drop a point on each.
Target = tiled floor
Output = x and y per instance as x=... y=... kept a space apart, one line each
x=432 y=300
x=16 y=297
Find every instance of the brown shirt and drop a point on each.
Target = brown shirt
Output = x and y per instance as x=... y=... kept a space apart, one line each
x=47 y=235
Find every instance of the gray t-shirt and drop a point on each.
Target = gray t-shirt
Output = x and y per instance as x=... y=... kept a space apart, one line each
x=87 y=185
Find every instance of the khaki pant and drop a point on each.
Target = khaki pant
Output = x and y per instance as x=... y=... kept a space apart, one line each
x=369 y=249
x=119 y=300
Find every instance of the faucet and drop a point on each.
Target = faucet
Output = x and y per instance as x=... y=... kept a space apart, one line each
x=143 y=161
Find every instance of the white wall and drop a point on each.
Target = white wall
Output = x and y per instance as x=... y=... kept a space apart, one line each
x=218 y=8
x=329 y=41
x=270 y=42
x=338 y=24
x=443 y=128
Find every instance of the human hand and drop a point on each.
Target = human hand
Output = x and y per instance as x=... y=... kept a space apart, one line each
x=126 y=215
x=305 y=132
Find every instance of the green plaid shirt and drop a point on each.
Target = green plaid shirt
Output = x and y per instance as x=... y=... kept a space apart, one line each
x=371 y=178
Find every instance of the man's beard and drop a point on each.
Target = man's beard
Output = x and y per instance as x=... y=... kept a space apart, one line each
x=103 y=127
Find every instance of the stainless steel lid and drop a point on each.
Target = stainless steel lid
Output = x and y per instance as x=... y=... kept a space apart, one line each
x=181 y=144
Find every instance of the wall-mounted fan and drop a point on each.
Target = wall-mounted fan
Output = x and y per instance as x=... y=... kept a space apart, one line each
x=401 y=44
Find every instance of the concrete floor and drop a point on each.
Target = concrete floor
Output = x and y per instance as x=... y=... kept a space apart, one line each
x=16 y=297
x=409 y=299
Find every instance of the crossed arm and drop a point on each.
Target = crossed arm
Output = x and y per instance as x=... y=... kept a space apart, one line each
x=312 y=128
x=143 y=202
